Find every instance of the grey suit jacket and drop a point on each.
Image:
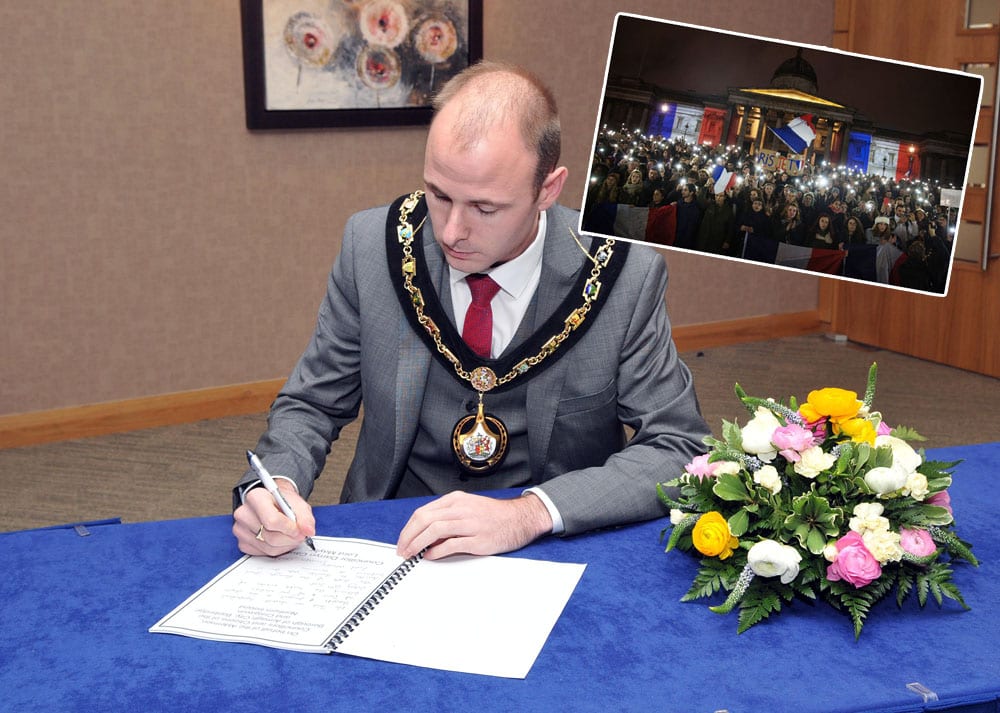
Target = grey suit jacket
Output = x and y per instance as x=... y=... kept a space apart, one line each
x=625 y=370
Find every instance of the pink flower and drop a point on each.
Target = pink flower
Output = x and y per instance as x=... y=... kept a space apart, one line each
x=818 y=427
x=701 y=467
x=854 y=563
x=942 y=500
x=916 y=542
x=883 y=429
x=791 y=440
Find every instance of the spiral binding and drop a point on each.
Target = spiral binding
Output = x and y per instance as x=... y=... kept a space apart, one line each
x=373 y=600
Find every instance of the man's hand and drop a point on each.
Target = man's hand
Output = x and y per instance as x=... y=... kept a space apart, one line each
x=280 y=534
x=473 y=524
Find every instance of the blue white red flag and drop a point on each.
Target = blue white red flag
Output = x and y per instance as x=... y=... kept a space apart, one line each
x=651 y=225
x=724 y=180
x=858 y=261
x=797 y=134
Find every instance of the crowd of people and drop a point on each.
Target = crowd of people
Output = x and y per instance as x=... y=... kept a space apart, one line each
x=822 y=206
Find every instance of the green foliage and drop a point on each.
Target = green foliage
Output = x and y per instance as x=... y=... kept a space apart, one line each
x=731 y=487
x=758 y=603
x=813 y=521
x=679 y=530
x=936 y=580
x=712 y=576
x=907 y=434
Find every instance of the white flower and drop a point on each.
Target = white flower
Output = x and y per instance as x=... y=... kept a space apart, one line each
x=903 y=456
x=767 y=477
x=676 y=516
x=885 y=480
x=883 y=544
x=757 y=434
x=726 y=467
x=768 y=558
x=813 y=462
x=868 y=516
x=916 y=486
x=868 y=510
x=830 y=552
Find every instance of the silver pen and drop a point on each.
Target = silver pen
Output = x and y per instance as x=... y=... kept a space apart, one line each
x=272 y=488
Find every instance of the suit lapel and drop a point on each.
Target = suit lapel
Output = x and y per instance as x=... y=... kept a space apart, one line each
x=562 y=260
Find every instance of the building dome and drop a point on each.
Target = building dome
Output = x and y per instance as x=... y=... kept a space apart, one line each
x=795 y=73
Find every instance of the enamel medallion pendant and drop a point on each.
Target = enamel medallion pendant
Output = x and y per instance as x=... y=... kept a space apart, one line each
x=479 y=442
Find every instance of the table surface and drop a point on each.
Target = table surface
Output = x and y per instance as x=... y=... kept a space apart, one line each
x=76 y=609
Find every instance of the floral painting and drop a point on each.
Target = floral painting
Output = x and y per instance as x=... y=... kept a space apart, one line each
x=343 y=55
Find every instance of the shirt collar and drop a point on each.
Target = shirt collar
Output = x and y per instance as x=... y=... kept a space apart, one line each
x=513 y=276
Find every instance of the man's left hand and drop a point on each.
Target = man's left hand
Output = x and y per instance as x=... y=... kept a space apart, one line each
x=463 y=523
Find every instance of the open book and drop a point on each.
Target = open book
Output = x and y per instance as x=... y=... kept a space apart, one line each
x=486 y=615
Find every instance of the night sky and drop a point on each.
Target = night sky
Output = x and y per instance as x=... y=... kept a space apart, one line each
x=896 y=96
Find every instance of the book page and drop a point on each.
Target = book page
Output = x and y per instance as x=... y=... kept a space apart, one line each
x=296 y=601
x=485 y=615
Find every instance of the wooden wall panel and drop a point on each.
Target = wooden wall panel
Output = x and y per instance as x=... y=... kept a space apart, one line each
x=959 y=329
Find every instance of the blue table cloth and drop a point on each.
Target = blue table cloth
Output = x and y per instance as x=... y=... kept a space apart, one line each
x=74 y=614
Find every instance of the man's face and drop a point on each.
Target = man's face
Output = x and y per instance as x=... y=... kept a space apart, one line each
x=482 y=202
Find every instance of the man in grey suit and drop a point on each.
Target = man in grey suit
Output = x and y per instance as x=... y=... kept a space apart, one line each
x=576 y=346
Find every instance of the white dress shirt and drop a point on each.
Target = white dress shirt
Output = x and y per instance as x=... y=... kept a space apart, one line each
x=518 y=280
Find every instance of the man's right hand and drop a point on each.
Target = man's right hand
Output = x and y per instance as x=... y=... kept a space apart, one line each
x=262 y=529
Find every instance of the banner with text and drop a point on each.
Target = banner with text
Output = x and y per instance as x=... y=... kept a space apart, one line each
x=774 y=161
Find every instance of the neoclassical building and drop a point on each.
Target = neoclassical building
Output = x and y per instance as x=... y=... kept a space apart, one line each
x=742 y=116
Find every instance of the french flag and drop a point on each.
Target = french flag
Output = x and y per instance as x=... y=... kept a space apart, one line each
x=770 y=251
x=797 y=133
x=857 y=261
x=649 y=225
x=724 y=180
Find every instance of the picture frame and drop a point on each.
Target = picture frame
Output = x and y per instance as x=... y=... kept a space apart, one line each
x=810 y=159
x=309 y=64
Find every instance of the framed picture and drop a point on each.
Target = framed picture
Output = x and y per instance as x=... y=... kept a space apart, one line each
x=314 y=63
x=797 y=156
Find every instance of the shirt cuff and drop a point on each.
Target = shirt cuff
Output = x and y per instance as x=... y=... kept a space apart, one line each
x=256 y=483
x=557 y=522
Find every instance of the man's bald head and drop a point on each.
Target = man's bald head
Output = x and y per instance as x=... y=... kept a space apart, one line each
x=488 y=95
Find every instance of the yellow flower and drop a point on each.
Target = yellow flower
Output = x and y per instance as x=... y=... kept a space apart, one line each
x=860 y=430
x=712 y=537
x=836 y=404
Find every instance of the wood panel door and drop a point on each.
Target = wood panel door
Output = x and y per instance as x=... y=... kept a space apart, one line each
x=962 y=329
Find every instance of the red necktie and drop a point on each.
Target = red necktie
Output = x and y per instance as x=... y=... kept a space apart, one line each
x=478 y=328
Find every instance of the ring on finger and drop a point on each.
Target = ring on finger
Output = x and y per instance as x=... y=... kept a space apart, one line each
x=260 y=534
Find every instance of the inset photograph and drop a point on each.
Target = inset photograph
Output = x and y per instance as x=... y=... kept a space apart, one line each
x=797 y=156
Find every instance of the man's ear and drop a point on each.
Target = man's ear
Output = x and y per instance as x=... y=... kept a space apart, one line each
x=551 y=187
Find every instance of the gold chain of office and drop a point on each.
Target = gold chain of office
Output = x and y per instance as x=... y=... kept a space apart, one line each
x=482 y=378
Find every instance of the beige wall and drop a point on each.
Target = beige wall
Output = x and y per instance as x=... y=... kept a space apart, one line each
x=151 y=244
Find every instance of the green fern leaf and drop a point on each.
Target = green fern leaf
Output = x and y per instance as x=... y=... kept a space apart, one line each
x=757 y=605
x=712 y=576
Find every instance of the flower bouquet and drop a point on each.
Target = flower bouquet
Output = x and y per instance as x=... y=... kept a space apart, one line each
x=818 y=500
